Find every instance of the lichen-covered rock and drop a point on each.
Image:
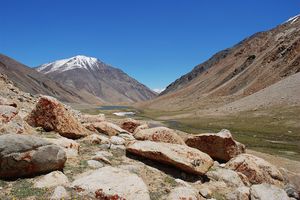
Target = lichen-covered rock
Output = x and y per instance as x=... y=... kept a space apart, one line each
x=130 y=125
x=256 y=169
x=159 y=134
x=111 y=183
x=183 y=157
x=53 y=116
x=220 y=146
x=25 y=155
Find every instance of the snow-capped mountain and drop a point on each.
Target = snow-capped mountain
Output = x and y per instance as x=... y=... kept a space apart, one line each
x=90 y=74
x=84 y=62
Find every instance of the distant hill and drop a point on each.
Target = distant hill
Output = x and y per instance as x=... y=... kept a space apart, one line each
x=29 y=80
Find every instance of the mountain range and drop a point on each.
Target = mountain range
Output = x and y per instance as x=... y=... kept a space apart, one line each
x=254 y=64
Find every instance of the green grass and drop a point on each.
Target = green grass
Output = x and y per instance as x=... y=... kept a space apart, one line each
x=170 y=180
x=275 y=131
x=23 y=189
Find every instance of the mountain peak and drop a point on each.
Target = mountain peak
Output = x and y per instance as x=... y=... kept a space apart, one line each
x=293 y=19
x=75 y=62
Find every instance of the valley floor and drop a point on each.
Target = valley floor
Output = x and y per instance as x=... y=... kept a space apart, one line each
x=273 y=131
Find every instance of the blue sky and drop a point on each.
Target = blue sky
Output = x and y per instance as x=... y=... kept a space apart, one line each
x=154 y=41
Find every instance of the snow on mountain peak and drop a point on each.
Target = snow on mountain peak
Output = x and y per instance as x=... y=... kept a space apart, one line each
x=76 y=62
x=293 y=19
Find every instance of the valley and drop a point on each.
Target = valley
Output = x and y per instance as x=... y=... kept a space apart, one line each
x=274 y=131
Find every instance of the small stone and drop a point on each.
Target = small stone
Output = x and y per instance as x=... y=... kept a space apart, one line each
x=117 y=140
x=94 y=164
x=52 y=179
x=60 y=193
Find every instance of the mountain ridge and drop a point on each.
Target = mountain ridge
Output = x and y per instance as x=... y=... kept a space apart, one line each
x=251 y=65
x=31 y=81
x=94 y=76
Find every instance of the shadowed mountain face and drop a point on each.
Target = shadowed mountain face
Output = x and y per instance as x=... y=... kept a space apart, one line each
x=31 y=81
x=248 y=67
x=90 y=74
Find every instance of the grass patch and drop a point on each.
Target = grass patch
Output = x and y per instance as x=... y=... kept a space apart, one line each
x=275 y=131
x=170 y=180
x=3 y=183
x=23 y=189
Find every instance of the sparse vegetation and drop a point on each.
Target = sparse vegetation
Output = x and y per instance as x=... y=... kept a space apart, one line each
x=23 y=189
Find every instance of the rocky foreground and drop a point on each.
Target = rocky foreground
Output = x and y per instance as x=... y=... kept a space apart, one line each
x=49 y=151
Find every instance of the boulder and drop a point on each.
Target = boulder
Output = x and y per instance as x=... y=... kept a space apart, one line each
x=107 y=128
x=16 y=125
x=141 y=127
x=25 y=155
x=111 y=183
x=267 y=192
x=96 y=139
x=7 y=113
x=130 y=125
x=117 y=140
x=159 y=134
x=240 y=193
x=52 y=179
x=256 y=169
x=60 y=193
x=220 y=146
x=71 y=147
x=6 y=102
x=103 y=156
x=181 y=192
x=94 y=164
x=86 y=118
x=230 y=177
x=183 y=157
x=53 y=116
x=127 y=137
x=291 y=191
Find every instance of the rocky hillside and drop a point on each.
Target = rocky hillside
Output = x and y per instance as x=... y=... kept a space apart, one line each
x=33 y=82
x=248 y=67
x=90 y=74
x=60 y=153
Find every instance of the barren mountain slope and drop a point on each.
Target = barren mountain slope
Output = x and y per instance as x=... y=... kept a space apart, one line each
x=33 y=82
x=98 y=78
x=250 y=66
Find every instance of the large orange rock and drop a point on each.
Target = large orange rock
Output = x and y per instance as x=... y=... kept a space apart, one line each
x=182 y=157
x=220 y=146
x=256 y=169
x=130 y=125
x=53 y=116
x=159 y=134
